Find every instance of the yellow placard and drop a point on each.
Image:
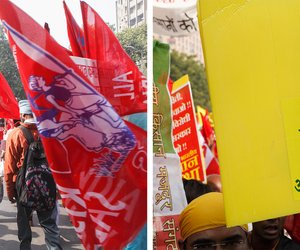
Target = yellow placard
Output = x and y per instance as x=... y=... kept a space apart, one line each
x=180 y=83
x=252 y=58
x=291 y=117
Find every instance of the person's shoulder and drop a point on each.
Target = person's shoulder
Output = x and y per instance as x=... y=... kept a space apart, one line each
x=30 y=125
x=286 y=243
x=14 y=138
x=17 y=131
x=13 y=133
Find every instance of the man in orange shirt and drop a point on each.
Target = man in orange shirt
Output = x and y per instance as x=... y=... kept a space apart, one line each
x=16 y=147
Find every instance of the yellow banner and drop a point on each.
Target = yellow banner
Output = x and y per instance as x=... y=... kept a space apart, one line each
x=252 y=57
x=291 y=117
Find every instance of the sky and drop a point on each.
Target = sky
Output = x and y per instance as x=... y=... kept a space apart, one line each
x=52 y=12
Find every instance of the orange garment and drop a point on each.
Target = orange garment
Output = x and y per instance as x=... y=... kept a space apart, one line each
x=16 y=146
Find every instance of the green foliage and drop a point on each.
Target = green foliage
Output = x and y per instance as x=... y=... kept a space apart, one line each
x=134 y=41
x=182 y=64
x=8 y=67
x=111 y=26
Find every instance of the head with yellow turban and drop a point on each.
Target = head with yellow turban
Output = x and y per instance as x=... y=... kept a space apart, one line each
x=202 y=224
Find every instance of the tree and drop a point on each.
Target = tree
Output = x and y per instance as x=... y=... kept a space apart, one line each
x=182 y=64
x=9 y=68
x=134 y=41
x=111 y=26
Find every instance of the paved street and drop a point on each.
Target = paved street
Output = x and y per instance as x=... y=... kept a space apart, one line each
x=9 y=232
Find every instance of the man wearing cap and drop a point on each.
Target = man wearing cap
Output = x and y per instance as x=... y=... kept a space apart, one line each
x=202 y=226
x=16 y=146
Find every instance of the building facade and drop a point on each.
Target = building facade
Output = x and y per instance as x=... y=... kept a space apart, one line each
x=190 y=45
x=130 y=13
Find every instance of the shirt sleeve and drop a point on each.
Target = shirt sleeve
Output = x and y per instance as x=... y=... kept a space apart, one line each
x=14 y=155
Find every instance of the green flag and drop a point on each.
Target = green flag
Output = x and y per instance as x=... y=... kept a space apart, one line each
x=162 y=121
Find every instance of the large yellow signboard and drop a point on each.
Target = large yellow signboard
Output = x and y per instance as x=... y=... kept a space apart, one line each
x=252 y=57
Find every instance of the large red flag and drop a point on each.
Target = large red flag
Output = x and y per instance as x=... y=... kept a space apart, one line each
x=121 y=82
x=8 y=103
x=75 y=34
x=93 y=155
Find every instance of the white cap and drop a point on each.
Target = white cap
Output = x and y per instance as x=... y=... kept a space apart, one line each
x=25 y=107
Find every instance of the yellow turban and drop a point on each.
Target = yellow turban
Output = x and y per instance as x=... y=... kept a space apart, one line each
x=203 y=213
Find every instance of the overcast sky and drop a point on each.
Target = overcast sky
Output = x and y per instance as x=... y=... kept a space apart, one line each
x=52 y=12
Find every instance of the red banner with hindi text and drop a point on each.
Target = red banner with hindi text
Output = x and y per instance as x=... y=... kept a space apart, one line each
x=184 y=131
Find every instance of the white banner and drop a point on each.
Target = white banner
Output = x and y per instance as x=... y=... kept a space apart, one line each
x=169 y=195
x=175 y=17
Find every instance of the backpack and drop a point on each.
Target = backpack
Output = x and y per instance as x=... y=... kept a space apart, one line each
x=36 y=188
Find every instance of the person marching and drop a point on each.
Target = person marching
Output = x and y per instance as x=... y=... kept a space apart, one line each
x=16 y=148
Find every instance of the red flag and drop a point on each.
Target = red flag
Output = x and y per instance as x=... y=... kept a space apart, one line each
x=211 y=163
x=292 y=226
x=170 y=85
x=207 y=131
x=46 y=27
x=93 y=155
x=121 y=82
x=75 y=34
x=8 y=104
x=209 y=134
x=139 y=156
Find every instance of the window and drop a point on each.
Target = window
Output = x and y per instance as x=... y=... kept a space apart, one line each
x=132 y=22
x=132 y=9
x=140 y=17
x=139 y=5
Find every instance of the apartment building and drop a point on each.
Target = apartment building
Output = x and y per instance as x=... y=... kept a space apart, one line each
x=130 y=13
x=190 y=45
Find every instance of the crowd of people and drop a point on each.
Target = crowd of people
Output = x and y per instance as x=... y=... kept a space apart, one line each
x=202 y=222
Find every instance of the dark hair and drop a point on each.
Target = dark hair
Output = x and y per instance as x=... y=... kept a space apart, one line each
x=194 y=189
